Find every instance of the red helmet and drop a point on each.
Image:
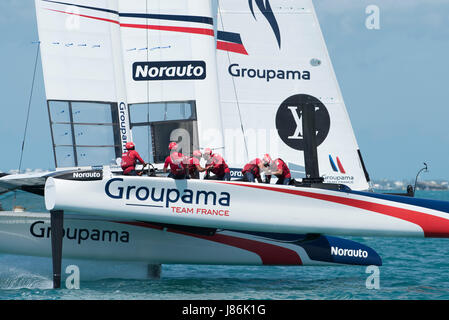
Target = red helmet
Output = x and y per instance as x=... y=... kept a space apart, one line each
x=266 y=159
x=173 y=146
x=197 y=153
x=130 y=145
x=208 y=151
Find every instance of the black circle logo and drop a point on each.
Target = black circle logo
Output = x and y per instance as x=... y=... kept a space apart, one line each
x=289 y=120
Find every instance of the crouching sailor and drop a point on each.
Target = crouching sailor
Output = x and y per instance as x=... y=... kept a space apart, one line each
x=194 y=165
x=216 y=164
x=129 y=160
x=177 y=162
x=251 y=170
x=277 y=168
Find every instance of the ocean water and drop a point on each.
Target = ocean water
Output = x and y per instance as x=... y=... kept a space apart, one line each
x=413 y=269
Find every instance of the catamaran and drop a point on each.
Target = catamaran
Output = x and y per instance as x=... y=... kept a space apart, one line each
x=242 y=78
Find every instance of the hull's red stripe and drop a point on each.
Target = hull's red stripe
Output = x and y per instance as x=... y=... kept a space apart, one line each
x=433 y=226
x=269 y=254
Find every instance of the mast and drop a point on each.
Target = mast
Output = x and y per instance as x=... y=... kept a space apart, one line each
x=122 y=113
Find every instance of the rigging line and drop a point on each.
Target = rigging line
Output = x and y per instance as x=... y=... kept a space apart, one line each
x=149 y=142
x=235 y=91
x=29 y=106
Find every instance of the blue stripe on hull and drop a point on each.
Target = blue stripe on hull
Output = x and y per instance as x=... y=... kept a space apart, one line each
x=326 y=248
x=425 y=203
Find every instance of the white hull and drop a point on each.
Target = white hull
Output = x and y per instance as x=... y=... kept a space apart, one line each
x=93 y=239
x=248 y=206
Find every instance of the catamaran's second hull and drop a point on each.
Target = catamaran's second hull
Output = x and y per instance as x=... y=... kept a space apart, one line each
x=113 y=240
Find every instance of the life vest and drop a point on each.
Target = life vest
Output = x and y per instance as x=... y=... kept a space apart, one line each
x=285 y=170
x=127 y=161
x=218 y=165
x=192 y=163
x=252 y=167
x=176 y=161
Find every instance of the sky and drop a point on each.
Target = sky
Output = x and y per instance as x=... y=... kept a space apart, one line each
x=393 y=80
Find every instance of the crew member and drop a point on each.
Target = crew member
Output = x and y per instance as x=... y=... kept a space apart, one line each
x=177 y=162
x=129 y=160
x=251 y=170
x=194 y=165
x=216 y=164
x=278 y=168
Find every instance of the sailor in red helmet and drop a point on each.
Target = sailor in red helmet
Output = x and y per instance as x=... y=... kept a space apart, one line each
x=251 y=171
x=278 y=168
x=129 y=160
x=216 y=164
x=194 y=165
x=177 y=163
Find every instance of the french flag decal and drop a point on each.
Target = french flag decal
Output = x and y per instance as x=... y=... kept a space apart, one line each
x=230 y=41
x=334 y=167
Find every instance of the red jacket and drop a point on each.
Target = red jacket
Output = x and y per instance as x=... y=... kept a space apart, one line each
x=129 y=160
x=192 y=162
x=285 y=170
x=218 y=165
x=177 y=163
x=253 y=167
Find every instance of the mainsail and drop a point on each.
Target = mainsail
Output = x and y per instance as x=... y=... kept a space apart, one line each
x=273 y=62
x=122 y=70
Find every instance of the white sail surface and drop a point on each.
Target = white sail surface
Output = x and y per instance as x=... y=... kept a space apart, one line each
x=170 y=62
x=83 y=80
x=112 y=67
x=273 y=60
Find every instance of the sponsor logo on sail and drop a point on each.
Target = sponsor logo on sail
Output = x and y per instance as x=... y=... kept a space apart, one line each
x=339 y=179
x=337 y=166
x=232 y=42
x=289 y=120
x=265 y=8
x=334 y=167
x=123 y=120
x=169 y=70
x=267 y=74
